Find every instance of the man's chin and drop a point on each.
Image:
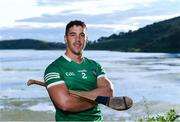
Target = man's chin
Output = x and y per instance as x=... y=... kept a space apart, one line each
x=77 y=52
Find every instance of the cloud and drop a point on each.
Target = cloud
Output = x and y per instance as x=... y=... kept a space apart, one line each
x=46 y=19
x=14 y=10
x=96 y=7
x=153 y=18
x=114 y=27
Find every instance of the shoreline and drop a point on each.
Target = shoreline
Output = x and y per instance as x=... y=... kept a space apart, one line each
x=34 y=110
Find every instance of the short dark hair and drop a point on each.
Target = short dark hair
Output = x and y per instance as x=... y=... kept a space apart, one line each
x=74 y=22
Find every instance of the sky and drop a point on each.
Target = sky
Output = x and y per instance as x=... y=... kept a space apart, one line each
x=46 y=19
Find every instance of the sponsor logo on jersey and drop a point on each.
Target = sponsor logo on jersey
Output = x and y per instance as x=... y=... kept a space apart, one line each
x=70 y=74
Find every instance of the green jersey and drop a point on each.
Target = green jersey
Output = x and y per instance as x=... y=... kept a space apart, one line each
x=80 y=77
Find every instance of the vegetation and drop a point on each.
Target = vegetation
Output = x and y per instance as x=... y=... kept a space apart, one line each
x=30 y=44
x=159 y=37
x=170 y=116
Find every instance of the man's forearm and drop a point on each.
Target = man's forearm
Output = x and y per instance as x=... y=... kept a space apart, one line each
x=101 y=91
x=76 y=104
x=66 y=101
x=104 y=88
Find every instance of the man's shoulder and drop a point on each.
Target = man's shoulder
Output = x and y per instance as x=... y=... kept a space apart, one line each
x=91 y=61
x=55 y=63
x=58 y=60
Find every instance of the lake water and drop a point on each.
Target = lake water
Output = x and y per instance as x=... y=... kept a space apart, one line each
x=142 y=76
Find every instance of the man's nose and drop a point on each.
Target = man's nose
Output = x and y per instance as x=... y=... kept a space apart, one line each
x=78 y=38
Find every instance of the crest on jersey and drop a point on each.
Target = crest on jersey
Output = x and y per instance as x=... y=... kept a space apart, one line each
x=94 y=72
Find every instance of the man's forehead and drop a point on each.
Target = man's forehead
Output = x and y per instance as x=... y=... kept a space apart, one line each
x=77 y=27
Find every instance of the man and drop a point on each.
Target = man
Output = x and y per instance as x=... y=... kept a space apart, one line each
x=75 y=72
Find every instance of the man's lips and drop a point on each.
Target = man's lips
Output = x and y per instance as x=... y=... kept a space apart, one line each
x=77 y=45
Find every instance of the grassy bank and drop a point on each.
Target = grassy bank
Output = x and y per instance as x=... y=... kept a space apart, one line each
x=23 y=110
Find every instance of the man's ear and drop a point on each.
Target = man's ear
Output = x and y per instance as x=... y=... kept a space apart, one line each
x=65 y=39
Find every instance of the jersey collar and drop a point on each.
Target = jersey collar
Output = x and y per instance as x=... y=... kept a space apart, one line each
x=67 y=58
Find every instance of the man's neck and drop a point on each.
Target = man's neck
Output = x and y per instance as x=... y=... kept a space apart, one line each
x=74 y=57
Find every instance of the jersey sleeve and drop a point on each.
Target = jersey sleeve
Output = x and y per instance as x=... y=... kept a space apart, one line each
x=52 y=76
x=100 y=71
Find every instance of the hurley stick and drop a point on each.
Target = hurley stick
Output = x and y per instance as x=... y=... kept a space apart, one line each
x=36 y=82
x=117 y=103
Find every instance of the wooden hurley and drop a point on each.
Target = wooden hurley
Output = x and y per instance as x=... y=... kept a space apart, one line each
x=117 y=103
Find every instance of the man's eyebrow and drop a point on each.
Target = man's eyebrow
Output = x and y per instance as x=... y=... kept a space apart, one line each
x=72 y=32
x=75 y=33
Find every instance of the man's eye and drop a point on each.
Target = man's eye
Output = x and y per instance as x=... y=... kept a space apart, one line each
x=72 y=34
x=82 y=35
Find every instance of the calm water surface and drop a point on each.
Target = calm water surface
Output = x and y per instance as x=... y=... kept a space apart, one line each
x=153 y=76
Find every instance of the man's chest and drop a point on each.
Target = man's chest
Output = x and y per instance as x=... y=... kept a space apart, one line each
x=79 y=73
x=79 y=77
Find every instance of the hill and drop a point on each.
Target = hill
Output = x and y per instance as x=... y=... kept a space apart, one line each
x=163 y=36
x=30 y=44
